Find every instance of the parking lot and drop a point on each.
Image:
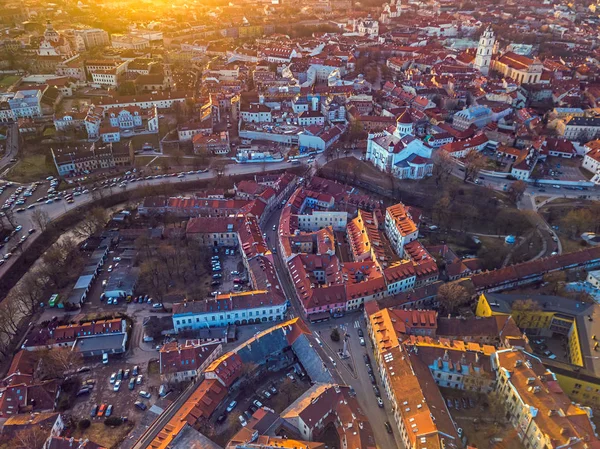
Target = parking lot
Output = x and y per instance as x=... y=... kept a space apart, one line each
x=103 y=391
x=275 y=390
x=231 y=268
x=481 y=422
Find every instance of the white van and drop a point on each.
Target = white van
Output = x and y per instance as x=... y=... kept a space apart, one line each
x=332 y=361
x=105 y=358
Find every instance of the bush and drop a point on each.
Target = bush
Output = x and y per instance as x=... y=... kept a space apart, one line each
x=113 y=421
x=84 y=424
x=335 y=334
x=64 y=403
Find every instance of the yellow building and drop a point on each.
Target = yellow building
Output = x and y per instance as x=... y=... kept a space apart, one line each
x=577 y=322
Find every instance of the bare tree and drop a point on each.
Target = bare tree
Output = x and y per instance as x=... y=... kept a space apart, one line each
x=474 y=163
x=443 y=164
x=58 y=360
x=28 y=293
x=32 y=437
x=40 y=218
x=451 y=296
x=516 y=190
x=9 y=216
x=93 y=222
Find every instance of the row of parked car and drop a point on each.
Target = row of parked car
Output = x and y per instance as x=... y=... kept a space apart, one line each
x=256 y=404
x=458 y=402
x=134 y=378
x=372 y=379
x=102 y=410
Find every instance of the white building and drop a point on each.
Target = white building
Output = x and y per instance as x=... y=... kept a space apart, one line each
x=308 y=118
x=232 y=308
x=485 y=50
x=400 y=153
x=591 y=160
x=26 y=103
x=475 y=115
x=400 y=227
x=93 y=37
x=129 y=42
x=256 y=113
x=321 y=219
x=367 y=27
x=391 y=10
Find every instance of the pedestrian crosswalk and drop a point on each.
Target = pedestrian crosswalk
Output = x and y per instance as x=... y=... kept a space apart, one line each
x=357 y=324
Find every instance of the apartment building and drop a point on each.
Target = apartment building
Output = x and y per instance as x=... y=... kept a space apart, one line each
x=182 y=362
x=399 y=227
x=93 y=37
x=231 y=308
x=26 y=103
x=542 y=415
x=580 y=128
x=87 y=157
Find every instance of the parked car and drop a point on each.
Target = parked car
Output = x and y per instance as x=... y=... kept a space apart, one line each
x=101 y=410
x=117 y=385
x=257 y=403
x=231 y=406
x=388 y=427
x=132 y=383
x=140 y=405
x=94 y=411
x=243 y=421
x=145 y=394
x=221 y=418
x=361 y=341
x=379 y=402
x=113 y=378
x=135 y=371
x=108 y=411
x=84 y=390
x=139 y=379
x=360 y=332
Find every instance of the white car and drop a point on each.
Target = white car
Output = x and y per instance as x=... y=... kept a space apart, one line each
x=117 y=385
x=242 y=421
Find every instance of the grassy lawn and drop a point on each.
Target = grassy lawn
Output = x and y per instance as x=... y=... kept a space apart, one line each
x=32 y=168
x=541 y=199
x=569 y=245
x=586 y=174
x=109 y=437
x=9 y=80
x=153 y=367
x=139 y=141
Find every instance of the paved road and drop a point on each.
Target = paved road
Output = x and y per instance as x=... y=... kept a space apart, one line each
x=12 y=146
x=357 y=376
x=59 y=208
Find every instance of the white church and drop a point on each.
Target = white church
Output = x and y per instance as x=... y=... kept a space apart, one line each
x=391 y=10
x=399 y=152
x=485 y=51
